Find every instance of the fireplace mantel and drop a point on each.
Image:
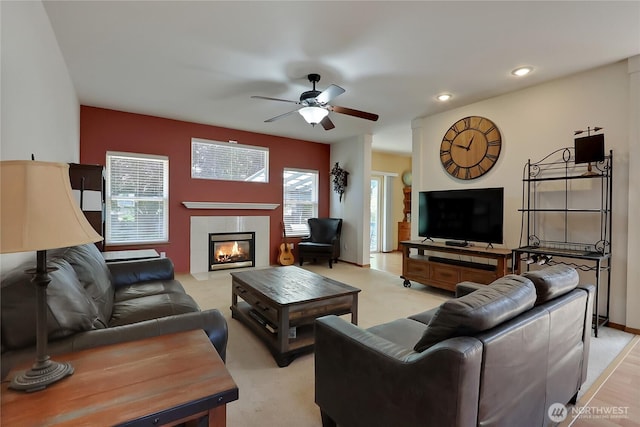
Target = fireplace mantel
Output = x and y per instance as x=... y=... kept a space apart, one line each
x=230 y=205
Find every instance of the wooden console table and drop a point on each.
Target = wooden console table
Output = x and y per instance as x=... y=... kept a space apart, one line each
x=165 y=380
x=445 y=272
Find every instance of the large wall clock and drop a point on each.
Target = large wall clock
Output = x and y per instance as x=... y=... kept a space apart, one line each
x=470 y=147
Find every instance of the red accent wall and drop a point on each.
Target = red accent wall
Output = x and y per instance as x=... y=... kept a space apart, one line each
x=103 y=130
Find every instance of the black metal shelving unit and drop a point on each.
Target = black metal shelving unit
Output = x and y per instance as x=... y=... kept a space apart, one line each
x=566 y=214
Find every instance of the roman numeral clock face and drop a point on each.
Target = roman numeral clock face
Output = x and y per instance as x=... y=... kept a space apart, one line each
x=470 y=147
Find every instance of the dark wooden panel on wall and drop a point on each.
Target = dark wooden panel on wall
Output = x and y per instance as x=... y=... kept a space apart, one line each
x=90 y=178
x=92 y=174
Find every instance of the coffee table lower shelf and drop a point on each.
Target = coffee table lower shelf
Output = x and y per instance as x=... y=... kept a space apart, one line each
x=301 y=344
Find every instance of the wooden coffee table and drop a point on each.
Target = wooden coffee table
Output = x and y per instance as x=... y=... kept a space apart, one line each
x=280 y=305
x=166 y=380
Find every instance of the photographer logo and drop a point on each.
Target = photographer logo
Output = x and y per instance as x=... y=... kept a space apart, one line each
x=557 y=412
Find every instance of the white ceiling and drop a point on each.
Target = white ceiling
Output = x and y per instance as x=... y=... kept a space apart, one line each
x=201 y=61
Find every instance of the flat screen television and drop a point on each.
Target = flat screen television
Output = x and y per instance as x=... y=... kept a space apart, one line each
x=468 y=215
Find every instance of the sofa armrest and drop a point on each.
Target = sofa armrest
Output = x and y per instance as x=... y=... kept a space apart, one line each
x=212 y=322
x=465 y=288
x=591 y=289
x=588 y=322
x=127 y=273
x=364 y=379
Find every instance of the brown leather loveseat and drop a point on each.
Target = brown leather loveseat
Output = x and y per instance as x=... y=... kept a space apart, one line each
x=498 y=356
x=93 y=303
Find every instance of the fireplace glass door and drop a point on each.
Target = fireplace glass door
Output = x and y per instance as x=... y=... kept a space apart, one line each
x=231 y=250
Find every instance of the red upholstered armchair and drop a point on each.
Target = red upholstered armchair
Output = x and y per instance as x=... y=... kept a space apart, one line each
x=323 y=242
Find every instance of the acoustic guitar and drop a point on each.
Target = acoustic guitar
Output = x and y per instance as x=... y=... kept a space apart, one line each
x=285 y=257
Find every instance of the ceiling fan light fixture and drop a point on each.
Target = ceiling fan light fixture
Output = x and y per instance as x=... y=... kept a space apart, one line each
x=313 y=115
x=315 y=105
x=522 y=71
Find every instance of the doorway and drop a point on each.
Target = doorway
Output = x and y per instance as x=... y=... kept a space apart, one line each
x=376 y=214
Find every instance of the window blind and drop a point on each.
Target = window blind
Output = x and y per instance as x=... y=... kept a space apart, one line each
x=137 y=196
x=300 y=200
x=229 y=161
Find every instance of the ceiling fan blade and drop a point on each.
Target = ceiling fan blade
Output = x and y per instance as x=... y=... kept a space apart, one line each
x=273 y=119
x=275 y=99
x=352 y=112
x=329 y=93
x=327 y=124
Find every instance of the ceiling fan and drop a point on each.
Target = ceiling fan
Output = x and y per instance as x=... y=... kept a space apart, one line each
x=315 y=105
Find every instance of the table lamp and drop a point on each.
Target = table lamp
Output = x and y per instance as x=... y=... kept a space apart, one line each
x=38 y=212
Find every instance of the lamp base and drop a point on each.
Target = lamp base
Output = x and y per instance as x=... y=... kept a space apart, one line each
x=39 y=377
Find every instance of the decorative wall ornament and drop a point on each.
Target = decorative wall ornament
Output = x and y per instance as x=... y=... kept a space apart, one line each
x=339 y=179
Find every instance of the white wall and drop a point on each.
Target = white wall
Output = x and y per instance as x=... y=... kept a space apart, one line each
x=40 y=112
x=534 y=122
x=633 y=248
x=354 y=156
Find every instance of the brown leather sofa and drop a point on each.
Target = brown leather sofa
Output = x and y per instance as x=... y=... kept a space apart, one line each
x=497 y=356
x=93 y=303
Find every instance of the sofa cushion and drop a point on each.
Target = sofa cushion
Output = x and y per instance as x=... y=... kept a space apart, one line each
x=551 y=282
x=125 y=273
x=149 y=288
x=151 y=307
x=70 y=308
x=93 y=273
x=403 y=332
x=483 y=309
x=425 y=316
x=312 y=247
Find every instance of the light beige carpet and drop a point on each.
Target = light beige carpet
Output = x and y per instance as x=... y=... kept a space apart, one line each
x=273 y=397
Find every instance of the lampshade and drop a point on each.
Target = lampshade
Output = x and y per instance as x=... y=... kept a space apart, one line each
x=37 y=208
x=313 y=115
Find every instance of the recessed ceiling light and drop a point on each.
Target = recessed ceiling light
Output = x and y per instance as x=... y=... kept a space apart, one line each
x=444 y=97
x=522 y=71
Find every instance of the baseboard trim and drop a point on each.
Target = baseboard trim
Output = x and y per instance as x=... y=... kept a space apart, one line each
x=352 y=263
x=624 y=328
x=615 y=326
x=632 y=330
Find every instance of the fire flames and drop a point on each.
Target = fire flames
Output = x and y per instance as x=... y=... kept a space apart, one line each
x=230 y=252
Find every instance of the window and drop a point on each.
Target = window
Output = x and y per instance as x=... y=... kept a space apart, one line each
x=228 y=161
x=300 y=200
x=137 y=198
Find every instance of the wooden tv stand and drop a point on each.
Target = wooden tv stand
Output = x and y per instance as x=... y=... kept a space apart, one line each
x=445 y=272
